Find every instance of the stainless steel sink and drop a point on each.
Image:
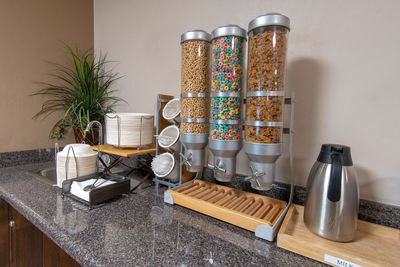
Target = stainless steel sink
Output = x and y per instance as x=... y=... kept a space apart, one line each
x=47 y=175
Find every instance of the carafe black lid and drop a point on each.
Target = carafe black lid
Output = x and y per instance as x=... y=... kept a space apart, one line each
x=325 y=156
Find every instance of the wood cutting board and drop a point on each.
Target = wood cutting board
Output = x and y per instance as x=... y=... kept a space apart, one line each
x=375 y=245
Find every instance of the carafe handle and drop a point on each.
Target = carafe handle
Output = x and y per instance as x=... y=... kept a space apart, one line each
x=335 y=181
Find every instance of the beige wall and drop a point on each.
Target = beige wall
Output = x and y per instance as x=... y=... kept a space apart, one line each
x=32 y=32
x=343 y=66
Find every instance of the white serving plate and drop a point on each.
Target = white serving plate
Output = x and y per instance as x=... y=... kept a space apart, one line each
x=134 y=131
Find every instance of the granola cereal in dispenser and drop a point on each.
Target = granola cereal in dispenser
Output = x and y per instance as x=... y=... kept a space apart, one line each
x=227 y=57
x=195 y=82
x=265 y=78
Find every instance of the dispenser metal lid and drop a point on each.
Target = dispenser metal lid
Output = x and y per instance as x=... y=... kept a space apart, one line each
x=195 y=35
x=262 y=149
x=228 y=30
x=269 y=19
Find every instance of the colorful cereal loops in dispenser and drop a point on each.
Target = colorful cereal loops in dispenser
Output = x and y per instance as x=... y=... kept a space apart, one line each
x=225 y=108
x=195 y=62
x=225 y=132
x=227 y=59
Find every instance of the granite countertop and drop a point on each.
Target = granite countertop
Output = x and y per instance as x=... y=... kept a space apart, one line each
x=136 y=230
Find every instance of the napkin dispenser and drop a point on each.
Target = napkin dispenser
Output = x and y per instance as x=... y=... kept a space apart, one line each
x=100 y=194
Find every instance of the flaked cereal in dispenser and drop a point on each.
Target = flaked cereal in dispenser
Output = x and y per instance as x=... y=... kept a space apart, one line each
x=265 y=97
x=265 y=78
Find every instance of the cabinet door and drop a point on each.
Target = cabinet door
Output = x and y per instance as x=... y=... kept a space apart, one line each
x=26 y=241
x=4 y=243
x=54 y=256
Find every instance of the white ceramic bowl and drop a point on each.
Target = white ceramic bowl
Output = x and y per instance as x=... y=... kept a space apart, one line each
x=172 y=110
x=84 y=165
x=80 y=150
x=169 y=138
x=165 y=166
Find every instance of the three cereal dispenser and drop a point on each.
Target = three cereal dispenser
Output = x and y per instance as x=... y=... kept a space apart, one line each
x=265 y=96
x=226 y=87
x=215 y=118
x=195 y=98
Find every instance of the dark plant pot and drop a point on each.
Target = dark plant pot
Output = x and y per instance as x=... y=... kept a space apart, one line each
x=92 y=137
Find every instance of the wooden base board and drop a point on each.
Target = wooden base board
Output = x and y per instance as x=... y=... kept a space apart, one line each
x=125 y=152
x=243 y=209
x=375 y=245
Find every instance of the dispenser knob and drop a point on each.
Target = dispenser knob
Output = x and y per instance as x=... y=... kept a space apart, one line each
x=254 y=175
x=218 y=167
x=187 y=159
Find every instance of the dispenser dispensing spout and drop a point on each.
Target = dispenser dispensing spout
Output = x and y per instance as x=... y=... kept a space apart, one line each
x=187 y=159
x=218 y=167
x=255 y=175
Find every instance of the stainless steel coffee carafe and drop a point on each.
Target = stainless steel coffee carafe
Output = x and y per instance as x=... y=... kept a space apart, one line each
x=331 y=207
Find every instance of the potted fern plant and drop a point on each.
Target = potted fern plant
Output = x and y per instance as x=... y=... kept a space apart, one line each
x=83 y=93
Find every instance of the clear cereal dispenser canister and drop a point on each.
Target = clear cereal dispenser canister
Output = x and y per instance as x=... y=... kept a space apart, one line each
x=227 y=52
x=265 y=96
x=195 y=98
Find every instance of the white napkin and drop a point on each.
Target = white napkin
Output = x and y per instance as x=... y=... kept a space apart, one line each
x=77 y=187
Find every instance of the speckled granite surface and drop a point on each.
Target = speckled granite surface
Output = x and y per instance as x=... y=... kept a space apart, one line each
x=137 y=230
x=9 y=159
x=140 y=230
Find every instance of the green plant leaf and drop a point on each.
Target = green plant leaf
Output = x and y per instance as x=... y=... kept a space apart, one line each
x=82 y=91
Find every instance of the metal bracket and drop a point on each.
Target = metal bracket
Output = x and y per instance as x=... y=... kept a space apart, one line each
x=265 y=232
x=168 y=198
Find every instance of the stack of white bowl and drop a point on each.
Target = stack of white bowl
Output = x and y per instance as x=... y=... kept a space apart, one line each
x=135 y=129
x=85 y=164
x=166 y=166
x=172 y=111
x=169 y=139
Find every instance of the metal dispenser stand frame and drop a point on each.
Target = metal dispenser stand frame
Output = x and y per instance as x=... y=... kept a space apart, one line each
x=157 y=180
x=263 y=231
x=269 y=232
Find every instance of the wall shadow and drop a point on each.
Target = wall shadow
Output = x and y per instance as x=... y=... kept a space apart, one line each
x=378 y=189
x=304 y=77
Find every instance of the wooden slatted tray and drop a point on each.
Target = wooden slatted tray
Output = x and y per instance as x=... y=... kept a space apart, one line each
x=375 y=245
x=243 y=209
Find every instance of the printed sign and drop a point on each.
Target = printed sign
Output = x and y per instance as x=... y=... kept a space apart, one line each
x=340 y=262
